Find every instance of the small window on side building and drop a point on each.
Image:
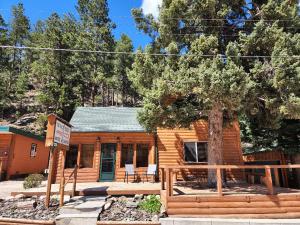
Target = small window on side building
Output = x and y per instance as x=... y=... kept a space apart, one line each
x=33 y=150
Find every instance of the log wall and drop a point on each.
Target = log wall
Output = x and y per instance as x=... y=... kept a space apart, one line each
x=93 y=174
x=171 y=141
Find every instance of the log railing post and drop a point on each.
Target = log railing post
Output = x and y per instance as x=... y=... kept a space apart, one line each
x=219 y=181
x=268 y=181
x=171 y=182
x=276 y=175
x=167 y=182
x=163 y=179
x=74 y=181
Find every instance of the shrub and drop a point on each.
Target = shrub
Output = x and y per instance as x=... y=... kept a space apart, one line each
x=33 y=180
x=151 y=204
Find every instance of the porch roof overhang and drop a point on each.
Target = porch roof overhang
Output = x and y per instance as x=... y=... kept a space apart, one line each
x=106 y=119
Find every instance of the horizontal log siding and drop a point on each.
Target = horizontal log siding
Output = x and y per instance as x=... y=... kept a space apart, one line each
x=92 y=174
x=170 y=145
x=5 y=142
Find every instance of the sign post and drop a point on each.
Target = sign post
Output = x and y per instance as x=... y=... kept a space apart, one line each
x=58 y=137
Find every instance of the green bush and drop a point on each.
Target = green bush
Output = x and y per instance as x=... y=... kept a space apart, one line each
x=33 y=180
x=151 y=204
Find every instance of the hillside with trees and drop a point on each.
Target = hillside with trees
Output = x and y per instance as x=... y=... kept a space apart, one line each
x=214 y=60
x=35 y=83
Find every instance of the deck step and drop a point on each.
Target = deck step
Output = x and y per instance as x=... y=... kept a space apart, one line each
x=81 y=210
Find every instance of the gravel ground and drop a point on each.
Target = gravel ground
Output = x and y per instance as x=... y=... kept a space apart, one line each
x=28 y=208
x=126 y=209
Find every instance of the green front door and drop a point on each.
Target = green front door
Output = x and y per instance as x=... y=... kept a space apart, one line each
x=108 y=158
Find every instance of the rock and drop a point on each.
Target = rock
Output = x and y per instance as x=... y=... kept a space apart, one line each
x=138 y=197
x=131 y=204
x=9 y=198
x=162 y=209
x=20 y=196
x=107 y=205
x=155 y=218
x=42 y=197
x=27 y=205
x=114 y=199
x=122 y=199
x=25 y=120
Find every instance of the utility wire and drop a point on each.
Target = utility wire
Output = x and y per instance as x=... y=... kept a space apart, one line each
x=140 y=53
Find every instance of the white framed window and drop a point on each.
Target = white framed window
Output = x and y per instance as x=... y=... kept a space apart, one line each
x=195 y=152
x=33 y=150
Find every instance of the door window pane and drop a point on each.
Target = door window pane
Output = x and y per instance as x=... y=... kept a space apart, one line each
x=142 y=154
x=190 y=152
x=126 y=154
x=87 y=156
x=71 y=156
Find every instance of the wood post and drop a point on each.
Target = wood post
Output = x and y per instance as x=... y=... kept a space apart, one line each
x=1 y=164
x=50 y=174
x=61 y=191
x=62 y=177
x=268 y=181
x=163 y=178
x=276 y=175
x=171 y=182
x=167 y=183
x=219 y=182
x=75 y=181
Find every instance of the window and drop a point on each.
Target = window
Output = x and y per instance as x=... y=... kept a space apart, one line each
x=71 y=156
x=126 y=154
x=87 y=156
x=33 y=150
x=195 y=152
x=142 y=153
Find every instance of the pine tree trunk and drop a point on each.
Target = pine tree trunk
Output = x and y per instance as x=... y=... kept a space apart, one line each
x=215 y=141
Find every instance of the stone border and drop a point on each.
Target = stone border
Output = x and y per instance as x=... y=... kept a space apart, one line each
x=9 y=221
x=127 y=223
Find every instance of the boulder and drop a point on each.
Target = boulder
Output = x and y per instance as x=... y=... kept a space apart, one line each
x=20 y=196
x=107 y=205
x=131 y=204
x=27 y=204
x=138 y=198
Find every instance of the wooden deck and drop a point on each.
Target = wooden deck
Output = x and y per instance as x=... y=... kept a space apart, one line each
x=99 y=188
x=233 y=200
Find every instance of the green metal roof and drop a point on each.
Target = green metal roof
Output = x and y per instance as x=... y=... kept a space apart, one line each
x=106 y=119
x=21 y=132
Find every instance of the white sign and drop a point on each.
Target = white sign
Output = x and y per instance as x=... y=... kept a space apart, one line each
x=62 y=133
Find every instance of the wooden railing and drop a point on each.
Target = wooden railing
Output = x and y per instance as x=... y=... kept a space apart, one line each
x=64 y=183
x=167 y=174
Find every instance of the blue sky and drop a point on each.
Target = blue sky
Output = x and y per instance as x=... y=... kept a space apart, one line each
x=119 y=13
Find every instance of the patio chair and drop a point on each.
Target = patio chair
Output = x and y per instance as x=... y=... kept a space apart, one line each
x=129 y=171
x=151 y=171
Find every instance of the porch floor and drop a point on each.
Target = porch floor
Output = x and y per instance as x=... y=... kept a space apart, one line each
x=232 y=188
x=180 y=188
x=98 y=188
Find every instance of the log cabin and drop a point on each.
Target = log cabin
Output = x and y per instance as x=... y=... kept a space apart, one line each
x=104 y=139
x=21 y=153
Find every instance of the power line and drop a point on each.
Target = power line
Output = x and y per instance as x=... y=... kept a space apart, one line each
x=140 y=53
